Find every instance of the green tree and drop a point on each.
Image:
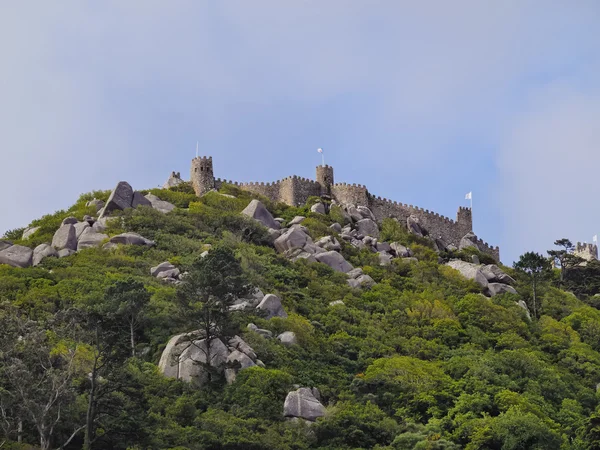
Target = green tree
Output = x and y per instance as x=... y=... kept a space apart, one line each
x=536 y=267
x=211 y=286
x=564 y=257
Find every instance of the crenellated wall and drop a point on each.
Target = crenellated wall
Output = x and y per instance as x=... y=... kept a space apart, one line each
x=292 y=190
x=295 y=191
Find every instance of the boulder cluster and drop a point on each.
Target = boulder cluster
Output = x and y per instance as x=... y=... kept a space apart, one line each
x=167 y=272
x=189 y=357
x=74 y=235
x=123 y=196
x=490 y=277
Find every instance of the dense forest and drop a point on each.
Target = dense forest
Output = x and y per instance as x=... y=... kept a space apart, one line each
x=420 y=359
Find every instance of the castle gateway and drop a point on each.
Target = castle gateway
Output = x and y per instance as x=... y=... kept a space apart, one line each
x=295 y=191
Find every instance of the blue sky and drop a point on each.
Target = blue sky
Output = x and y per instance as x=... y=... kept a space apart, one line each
x=420 y=101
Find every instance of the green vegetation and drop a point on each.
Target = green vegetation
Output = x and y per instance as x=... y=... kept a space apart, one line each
x=420 y=361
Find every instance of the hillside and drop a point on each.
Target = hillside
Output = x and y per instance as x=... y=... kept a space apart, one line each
x=186 y=323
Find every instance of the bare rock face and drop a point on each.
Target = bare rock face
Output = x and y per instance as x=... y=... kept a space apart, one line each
x=16 y=256
x=80 y=228
x=90 y=238
x=414 y=225
x=334 y=260
x=43 y=251
x=29 y=232
x=174 y=180
x=131 y=239
x=318 y=208
x=192 y=358
x=160 y=205
x=494 y=274
x=292 y=239
x=303 y=404
x=257 y=211
x=499 y=288
x=470 y=271
x=65 y=238
x=139 y=200
x=272 y=305
x=400 y=250
x=120 y=198
x=288 y=338
x=5 y=244
x=163 y=267
x=367 y=227
x=469 y=240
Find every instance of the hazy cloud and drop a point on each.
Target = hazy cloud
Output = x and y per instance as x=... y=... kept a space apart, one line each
x=420 y=101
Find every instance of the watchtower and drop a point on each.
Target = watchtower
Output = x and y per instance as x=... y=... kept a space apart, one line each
x=325 y=179
x=202 y=176
x=464 y=217
x=589 y=252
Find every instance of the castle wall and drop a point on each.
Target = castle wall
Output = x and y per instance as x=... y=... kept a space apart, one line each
x=291 y=191
x=295 y=191
x=438 y=227
x=354 y=194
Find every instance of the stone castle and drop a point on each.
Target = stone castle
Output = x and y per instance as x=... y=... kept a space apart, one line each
x=295 y=191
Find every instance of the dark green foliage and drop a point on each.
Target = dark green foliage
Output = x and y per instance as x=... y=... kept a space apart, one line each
x=422 y=360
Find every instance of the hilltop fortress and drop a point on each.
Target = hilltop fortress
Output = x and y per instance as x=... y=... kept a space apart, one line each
x=295 y=191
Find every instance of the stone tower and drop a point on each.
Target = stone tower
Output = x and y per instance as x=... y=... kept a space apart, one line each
x=464 y=218
x=325 y=179
x=589 y=252
x=201 y=176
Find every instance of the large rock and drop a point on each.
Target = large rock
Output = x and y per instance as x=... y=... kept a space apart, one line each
x=29 y=232
x=367 y=227
x=400 y=250
x=5 y=244
x=365 y=212
x=494 y=274
x=162 y=267
x=90 y=238
x=414 y=225
x=66 y=252
x=523 y=305
x=468 y=240
x=174 y=180
x=303 y=404
x=98 y=204
x=16 y=256
x=160 y=205
x=366 y=281
x=385 y=259
x=139 y=200
x=272 y=305
x=237 y=343
x=195 y=355
x=470 y=271
x=239 y=360
x=288 y=338
x=499 y=288
x=334 y=260
x=292 y=239
x=65 y=238
x=354 y=213
x=297 y=220
x=131 y=239
x=257 y=211
x=80 y=228
x=43 y=251
x=318 y=208
x=120 y=198
x=329 y=243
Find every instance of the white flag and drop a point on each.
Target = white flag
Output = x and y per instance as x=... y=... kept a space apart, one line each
x=469 y=196
x=595 y=238
x=320 y=150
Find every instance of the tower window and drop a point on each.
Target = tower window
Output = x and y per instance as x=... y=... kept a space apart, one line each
x=195 y=169
x=201 y=169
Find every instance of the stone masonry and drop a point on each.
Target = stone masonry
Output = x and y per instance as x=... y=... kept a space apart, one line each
x=295 y=191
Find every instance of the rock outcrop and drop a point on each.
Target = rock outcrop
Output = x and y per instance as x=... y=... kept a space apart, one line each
x=160 y=205
x=43 y=251
x=271 y=304
x=131 y=239
x=65 y=237
x=303 y=404
x=257 y=211
x=16 y=256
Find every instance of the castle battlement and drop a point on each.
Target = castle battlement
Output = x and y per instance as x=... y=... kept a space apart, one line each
x=295 y=191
